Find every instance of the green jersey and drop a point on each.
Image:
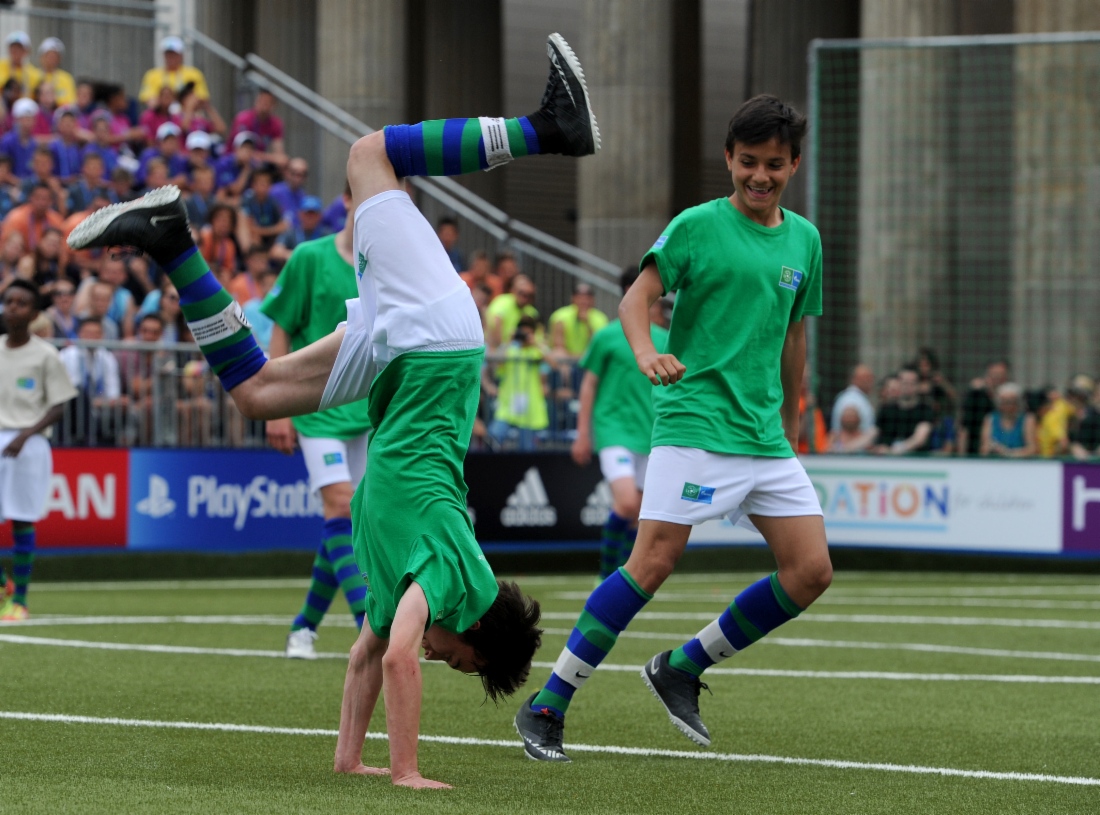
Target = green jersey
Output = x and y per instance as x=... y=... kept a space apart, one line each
x=308 y=302
x=739 y=285
x=623 y=413
x=418 y=530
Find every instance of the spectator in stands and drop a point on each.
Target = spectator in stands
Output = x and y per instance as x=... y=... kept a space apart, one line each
x=888 y=391
x=267 y=128
x=84 y=262
x=144 y=374
x=1084 y=440
x=246 y=285
x=156 y=174
x=572 y=326
x=32 y=218
x=97 y=414
x=447 y=231
x=124 y=126
x=812 y=436
x=861 y=384
x=65 y=146
x=85 y=103
x=174 y=74
x=1063 y=417
x=261 y=323
x=262 y=219
x=61 y=312
x=17 y=66
x=202 y=197
x=159 y=113
x=90 y=185
x=122 y=185
x=1009 y=430
x=905 y=426
x=234 y=171
x=120 y=308
x=11 y=195
x=506 y=269
x=42 y=173
x=50 y=52
x=10 y=93
x=979 y=403
x=335 y=215
x=198 y=146
x=167 y=149
x=12 y=249
x=849 y=436
x=139 y=279
x=168 y=309
x=309 y=228
x=18 y=144
x=45 y=264
x=505 y=312
x=934 y=386
x=46 y=99
x=217 y=244
x=480 y=274
x=290 y=193
x=103 y=141
x=520 y=388
x=99 y=299
x=199 y=115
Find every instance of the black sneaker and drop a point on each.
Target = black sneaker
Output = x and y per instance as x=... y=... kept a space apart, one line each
x=679 y=693
x=542 y=732
x=155 y=223
x=565 y=106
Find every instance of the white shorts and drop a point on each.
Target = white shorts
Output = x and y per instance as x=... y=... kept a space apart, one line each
x=334 y=461
x=617 y=462
x=689 y=486
x=25 y=479
x=410 y=298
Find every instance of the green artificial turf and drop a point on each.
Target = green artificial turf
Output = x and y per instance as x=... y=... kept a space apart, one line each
x=1002 y=727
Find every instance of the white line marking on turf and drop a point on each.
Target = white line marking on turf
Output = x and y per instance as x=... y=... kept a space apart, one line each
x=897 y=676
x=835 y=764
x=889 y=619
x=833 y=600
x=174 y=585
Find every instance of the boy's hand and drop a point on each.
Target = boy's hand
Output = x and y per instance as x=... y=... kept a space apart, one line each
x=661 y=369
x=581 y=450
x=419 y=782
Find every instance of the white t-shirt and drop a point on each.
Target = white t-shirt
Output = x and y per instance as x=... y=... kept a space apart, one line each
x=32 y=380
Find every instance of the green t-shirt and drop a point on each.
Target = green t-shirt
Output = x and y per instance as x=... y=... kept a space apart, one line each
x=739 y=285
x=520 y=400
x=577 y=333
x=308 y=302
x=623 y=413
x=422 y=407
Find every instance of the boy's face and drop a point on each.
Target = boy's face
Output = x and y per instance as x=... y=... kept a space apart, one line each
x=448 y=647
x=261 y=185
x=90 y=331
x=20 y=308
x=203 y=183
x=760 y=174
x=93 y=171
x=42 y=165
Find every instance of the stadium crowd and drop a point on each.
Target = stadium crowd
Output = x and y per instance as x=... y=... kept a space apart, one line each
x=69 y=148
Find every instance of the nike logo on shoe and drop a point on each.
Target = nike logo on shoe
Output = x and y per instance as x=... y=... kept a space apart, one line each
x=156 y=219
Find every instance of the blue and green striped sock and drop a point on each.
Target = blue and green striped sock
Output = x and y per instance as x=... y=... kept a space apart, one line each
x=611 y=544
x=758 y=610
x=213 y=318
x=457 y=146
x=342 y=556
x=322 y=588
x=22 y=559
x=609 y=610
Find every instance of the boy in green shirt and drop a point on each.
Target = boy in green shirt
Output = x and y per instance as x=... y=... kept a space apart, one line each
x=413 y=346
x=746 y=272
x=616 y=417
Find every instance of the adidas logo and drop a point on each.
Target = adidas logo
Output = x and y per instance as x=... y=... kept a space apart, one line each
x=597 y=506
x=528 y=505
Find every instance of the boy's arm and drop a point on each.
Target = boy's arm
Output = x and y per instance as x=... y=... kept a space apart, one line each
x=402 y=683
x=291 y=385
x=280 y=432
x=582 y=445
x=660 y=369
x=361 y=688
x=792 y=362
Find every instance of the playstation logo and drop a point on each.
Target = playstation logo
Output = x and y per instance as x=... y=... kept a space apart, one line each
x=157 y=504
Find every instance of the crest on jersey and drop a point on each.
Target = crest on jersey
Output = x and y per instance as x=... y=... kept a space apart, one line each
x=790 y=278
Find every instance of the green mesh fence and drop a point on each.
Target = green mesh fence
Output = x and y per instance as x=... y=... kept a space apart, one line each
x=956 y=184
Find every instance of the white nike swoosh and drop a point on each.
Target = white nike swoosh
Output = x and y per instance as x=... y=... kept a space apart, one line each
x=158 y=218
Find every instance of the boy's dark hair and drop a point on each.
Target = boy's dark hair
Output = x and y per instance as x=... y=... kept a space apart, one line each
x=765 y=117
x=506 y=640
x=256 y=249
x=446 y=220
x=265 y=170
x=152 y=315
x=26 y=285
x=93 y=320
x=627 y=278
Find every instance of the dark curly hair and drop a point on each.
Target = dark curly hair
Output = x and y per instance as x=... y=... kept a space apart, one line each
x=506 y=641
x=765 y=117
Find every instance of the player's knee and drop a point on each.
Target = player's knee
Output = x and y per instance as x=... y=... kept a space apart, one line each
x=365 y=152
x=628 y=506
x=815 y=576
x=336 y=504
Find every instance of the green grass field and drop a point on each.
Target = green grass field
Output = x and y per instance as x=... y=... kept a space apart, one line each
x=896 y=693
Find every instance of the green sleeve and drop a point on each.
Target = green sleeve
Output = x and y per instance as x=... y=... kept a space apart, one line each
x=807 y=303
x=595 y=355
x=672 y=254
x=288 y=301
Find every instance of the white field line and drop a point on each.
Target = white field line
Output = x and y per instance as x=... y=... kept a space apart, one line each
x=897 y=676
x=831 y=599
x=174 y=585
x=836 y=764
x=345 y=621
x=889 y=619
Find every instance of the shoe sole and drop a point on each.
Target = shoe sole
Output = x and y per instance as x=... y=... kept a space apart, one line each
x=527 y=752
x=677 y=722
x=558 y=41
x=96 y=224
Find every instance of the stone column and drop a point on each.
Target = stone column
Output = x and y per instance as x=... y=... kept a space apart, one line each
x=361 y=68
x=1054 y=274
x=625 y=191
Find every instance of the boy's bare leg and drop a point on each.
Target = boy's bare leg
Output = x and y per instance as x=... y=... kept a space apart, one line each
x=370 y=172
x=361 y=688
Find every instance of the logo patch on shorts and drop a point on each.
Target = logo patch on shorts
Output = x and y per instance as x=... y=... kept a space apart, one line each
x=25 y=382
x=661 y=241
x=623 y=460
x=334 y=458
x=697 y=494
x=790 y=278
